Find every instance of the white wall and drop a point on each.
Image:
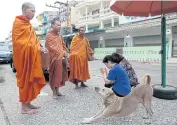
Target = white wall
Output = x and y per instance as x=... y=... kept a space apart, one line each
x=147 y=40
x=74 y=15
x=114 y=42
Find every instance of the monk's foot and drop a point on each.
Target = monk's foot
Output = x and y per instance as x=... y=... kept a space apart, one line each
x=76 y=85
x=55 y=97
x=29 y=111
x=83 y=85
x=33 y=107
x=60 y=94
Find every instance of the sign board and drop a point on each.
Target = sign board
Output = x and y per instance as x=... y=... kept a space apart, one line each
x=140 y=54
x=143 y=54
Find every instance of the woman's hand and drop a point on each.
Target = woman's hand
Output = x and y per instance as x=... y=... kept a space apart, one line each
x=102 y=70
x=106 y=71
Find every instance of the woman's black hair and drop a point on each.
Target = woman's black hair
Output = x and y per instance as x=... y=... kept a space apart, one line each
x=107 y=58
x=115 y=58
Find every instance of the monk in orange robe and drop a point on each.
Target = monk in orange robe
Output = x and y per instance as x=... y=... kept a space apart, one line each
x=27 y=59
x=79 y=49
x=56 y=46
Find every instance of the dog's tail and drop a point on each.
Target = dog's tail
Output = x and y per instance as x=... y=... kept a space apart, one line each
x=147 y=79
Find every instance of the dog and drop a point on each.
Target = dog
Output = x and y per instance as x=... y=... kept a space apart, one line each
x=124 y=106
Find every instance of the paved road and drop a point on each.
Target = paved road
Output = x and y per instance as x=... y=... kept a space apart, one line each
x=81 y=103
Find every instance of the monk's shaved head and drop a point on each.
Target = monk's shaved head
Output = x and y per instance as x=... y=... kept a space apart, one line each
x=81 y=28
x=28 y=10
x=56 y=26
x=81 y=31
x=27 y=5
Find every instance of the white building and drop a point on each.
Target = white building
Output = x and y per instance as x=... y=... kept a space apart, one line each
x=124 y=31
x=95 y=14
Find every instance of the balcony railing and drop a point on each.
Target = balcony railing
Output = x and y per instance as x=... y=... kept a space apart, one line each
x=93 y=17
x=87 y=3
x=171 y=19
x=103 y=13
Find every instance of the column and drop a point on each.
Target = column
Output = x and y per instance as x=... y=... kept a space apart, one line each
x=112 y=22
x=169 y=45
x=101 y=13
x=101 y=42
x=86 y=27
x=101 y=7
x=86 y=11
x=101 y=24
x=128 y=41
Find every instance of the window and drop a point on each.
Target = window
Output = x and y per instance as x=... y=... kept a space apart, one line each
x=97 y=11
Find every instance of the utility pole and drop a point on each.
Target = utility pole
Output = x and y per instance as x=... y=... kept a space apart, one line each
x=61 y=6
x=67 y=11
x=66 y=6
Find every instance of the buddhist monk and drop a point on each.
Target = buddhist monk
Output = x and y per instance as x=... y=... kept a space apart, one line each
x=79 y=49
x=56 y=46
x=27 y=59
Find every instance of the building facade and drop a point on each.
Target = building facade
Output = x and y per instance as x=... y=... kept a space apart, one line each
x=95 y=14
x=124 y=31
x=44 y=20
x=63 y=13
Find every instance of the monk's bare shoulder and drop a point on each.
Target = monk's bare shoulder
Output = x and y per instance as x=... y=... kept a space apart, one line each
x=48 y=35
x=74 y=38
x=86 y=39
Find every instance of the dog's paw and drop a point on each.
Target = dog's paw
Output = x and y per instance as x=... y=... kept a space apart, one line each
x=87 y=120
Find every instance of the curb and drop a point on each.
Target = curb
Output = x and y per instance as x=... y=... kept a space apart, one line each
x=3 y=115
x=2 y=120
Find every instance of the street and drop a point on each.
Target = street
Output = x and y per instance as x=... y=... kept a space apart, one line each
x=85 y=102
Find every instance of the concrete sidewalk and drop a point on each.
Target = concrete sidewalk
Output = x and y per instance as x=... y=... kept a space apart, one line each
x=84 y=102
x=2 y=119
x=172 y=60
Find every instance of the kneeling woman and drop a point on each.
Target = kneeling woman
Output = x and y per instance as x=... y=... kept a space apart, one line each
x=117 y=77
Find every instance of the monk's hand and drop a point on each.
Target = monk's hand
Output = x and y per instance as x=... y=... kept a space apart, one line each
x=43 y=49
x=66 y=55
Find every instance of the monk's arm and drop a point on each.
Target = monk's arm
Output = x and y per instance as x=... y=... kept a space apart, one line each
x=40 y=42
x=51 y=47
x=73 y=42
x=88 y=43
x=64 y=46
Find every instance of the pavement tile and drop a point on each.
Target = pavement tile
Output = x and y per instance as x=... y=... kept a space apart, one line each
x=85 y=102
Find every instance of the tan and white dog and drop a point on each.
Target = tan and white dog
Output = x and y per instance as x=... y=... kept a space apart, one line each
x=124 y=106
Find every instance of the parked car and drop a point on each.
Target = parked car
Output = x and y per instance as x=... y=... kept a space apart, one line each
x=44 y=62
x=44 y=68
x=5 y=53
